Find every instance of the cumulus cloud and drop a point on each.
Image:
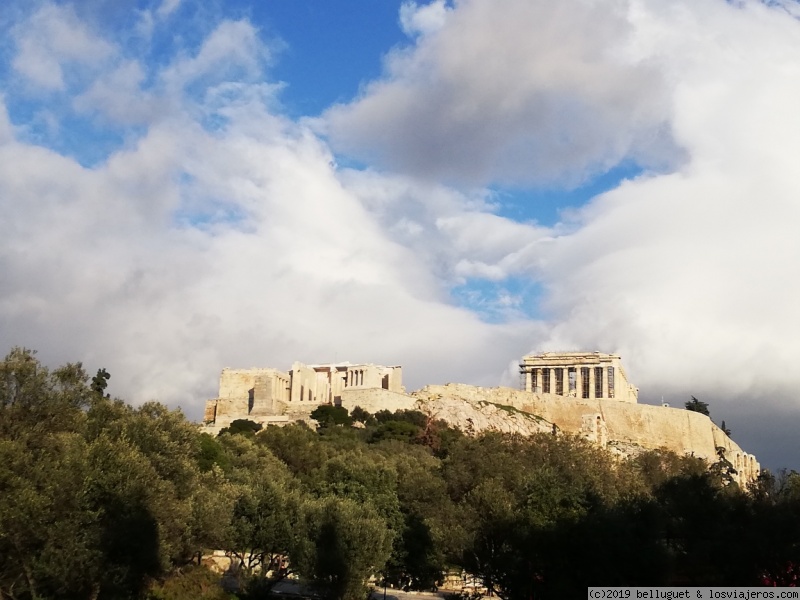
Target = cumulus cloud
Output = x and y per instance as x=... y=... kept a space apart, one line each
x=699 y=258
x=282 y=263
x=511 y=92
x=52 y=38
x=232 y=51
x=686 y=270
x=455 y=233
x=416 y=19
x=118 y=95
x=223 y=235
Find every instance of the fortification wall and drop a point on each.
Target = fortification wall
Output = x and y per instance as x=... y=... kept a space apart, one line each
x=609 y=422
x=623 y=427
x=376 y=399
x=237 y=383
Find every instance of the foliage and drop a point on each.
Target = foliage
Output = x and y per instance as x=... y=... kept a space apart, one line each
x=261 y=528
x=244 y=427
x=192 y=583
x=696 y=405
x=344 y=543
x=362 y=416
x=414 y=417
x=328 y=416
x=212 y=454
x=100 y=381
x=99 y=497
x=723 y=469
x=103 y=500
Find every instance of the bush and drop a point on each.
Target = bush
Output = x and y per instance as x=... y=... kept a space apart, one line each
x=193 y=583
x=327 y=415
x=244 y=427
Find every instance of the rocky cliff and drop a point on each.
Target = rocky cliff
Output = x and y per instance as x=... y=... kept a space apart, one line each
x=623 y=428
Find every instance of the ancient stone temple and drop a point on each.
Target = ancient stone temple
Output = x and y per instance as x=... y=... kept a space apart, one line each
x=267 y=395
x=577 y=375
x=587 y=394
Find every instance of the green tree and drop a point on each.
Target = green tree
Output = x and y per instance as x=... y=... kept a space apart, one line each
x=516 y=493
x=100 y=381
x=344 y=543
x=191 y=583
x=298 y=447
x=723 y=469
x=212 y=454
x=244 y=427
x=262 y=530
x=696 y=405
x=655 y=467
x=329 y=416
x=362 y=416
x=395 y=430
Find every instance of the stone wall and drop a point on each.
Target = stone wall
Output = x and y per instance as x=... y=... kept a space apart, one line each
x=217 y=426
x=373 y=400
x=237 y=383
x=621 y=426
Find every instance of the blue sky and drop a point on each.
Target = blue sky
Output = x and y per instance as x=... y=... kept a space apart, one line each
x=444 y=185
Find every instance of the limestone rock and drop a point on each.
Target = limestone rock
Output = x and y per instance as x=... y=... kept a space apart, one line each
x=475 y=416
x=623 y=428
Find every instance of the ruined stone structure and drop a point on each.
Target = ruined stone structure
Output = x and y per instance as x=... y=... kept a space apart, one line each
x=577 y=375
x=266 y=395
x=579 y=393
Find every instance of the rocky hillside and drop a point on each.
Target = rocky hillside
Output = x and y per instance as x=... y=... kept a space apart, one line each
x=476 y=415
x=623 y=428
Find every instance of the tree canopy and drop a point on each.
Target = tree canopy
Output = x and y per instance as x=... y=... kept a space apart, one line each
x=696 y=405
x=105 y=500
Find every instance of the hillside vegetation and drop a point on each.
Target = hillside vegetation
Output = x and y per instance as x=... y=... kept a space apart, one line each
x=103 y=500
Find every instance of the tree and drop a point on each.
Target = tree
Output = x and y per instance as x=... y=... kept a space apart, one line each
x=521 y=498
x=723 y=468
x=261 y=530
x=96 y=499
x=344 y=542
x=244 y=427
x=362 y=416
x=328 y=415
x=100 y=381
x=696 y=405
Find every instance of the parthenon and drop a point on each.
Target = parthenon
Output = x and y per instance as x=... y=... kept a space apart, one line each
x=577 y=375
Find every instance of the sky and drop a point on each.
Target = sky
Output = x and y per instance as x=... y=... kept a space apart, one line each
x=445 y=185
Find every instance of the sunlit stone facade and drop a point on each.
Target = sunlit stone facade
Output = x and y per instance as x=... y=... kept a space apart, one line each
x=268 y=395
x=577 y=375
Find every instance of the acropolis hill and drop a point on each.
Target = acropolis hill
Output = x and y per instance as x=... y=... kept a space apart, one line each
x=582 y=393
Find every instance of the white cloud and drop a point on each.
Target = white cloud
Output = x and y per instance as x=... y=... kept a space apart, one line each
x=492 y=247
x=167 y=8
x=117 y=94
x=231 y=51
x=193 y=250
x=687 y=271
x=689 y=274
x=226 y=236
x=425 y=19
x=512 y=91
x=51 y=39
